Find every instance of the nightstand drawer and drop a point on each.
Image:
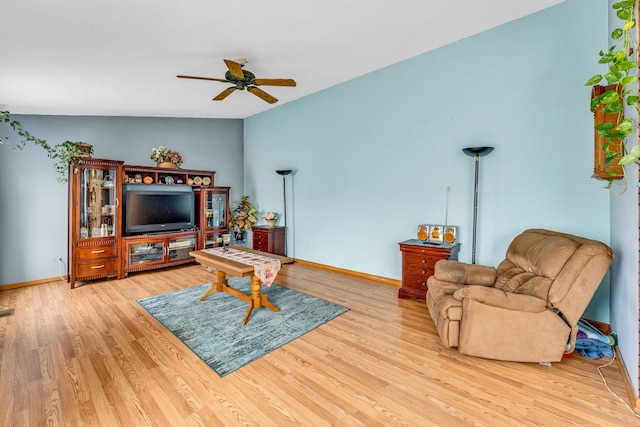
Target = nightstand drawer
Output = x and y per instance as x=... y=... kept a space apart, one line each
x=419 y=261
x=415 y=281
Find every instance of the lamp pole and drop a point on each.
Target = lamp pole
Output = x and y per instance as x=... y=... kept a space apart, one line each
x=476 y=153
x=284 y=173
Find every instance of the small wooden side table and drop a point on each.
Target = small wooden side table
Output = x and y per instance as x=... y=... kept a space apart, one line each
x=268 y=239
x=418 y=262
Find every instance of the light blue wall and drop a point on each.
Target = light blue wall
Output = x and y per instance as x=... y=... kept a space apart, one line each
x=33 y=206
x=624 y=270
x=373 y=156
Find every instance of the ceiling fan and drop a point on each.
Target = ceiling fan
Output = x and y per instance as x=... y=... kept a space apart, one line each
x=244 y=79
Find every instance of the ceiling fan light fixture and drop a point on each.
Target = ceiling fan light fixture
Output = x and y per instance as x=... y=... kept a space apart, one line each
x=239 y=60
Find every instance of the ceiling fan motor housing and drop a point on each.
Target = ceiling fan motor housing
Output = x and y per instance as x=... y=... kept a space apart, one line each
x=243 y=82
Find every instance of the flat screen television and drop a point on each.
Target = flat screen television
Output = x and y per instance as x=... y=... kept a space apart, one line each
x=156 y=208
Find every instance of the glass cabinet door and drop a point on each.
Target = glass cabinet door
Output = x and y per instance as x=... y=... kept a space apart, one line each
x=215 y=209
x=145 y=253
x=98 y=204
x=180 y=248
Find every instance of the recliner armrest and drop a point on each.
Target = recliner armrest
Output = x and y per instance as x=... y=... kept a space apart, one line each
x=502 y=299
x=463 y=273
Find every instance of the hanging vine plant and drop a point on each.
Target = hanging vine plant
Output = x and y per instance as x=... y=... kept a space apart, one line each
x=622 y=63
x=61 y=154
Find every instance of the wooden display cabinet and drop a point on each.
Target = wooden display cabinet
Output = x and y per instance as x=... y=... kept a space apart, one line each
x=97 y=245
x=269 y=239
x=151 y=175
x=94 y=219
x=418 y=262
x=213 y=205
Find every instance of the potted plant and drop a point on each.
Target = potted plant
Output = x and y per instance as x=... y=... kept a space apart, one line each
x=60 y=153
x=166 y=158
x=271 y=218
x=67 y=152
x=622 y=61
x=243 y=217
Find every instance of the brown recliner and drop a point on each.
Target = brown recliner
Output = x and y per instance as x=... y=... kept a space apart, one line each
x=528 y=308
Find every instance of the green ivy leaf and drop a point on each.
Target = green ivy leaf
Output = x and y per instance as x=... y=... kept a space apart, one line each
x=605 y=59
x=626 y=81
x=605 y=126
x=612 y=108
x=610 y=96
x=632 y=100
x=594 y=80
x=617 y=34
x=629 y=25
x=626 y=65
x=620 y=55
x=627 y=160
x=610 y=155
x=623 y=14
x=613 y=76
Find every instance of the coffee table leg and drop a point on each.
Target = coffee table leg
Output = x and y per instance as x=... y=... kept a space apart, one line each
x=219 y=286
x=257 y=300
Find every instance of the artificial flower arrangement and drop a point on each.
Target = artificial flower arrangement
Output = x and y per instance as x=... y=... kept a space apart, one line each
x=162 y=154
x=243 y=216
x=271 y=216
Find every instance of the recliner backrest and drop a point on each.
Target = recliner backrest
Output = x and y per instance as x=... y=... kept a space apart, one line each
x=562 y=269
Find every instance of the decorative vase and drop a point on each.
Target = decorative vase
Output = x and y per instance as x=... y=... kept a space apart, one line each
x=166 y=165
x=271 y=222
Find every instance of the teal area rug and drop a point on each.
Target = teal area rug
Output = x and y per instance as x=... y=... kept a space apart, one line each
x=212 y=328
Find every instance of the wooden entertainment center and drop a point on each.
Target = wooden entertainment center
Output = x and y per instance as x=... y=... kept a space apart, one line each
x=98 y=245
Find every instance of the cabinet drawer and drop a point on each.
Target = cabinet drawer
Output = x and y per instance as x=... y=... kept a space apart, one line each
x=415 y=281
x=97 y=252
x=97 y=268
x=261 y=246
x=420 y=271
x=416 y=261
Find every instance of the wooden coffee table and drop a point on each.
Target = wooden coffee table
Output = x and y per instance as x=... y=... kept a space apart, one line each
x=224 y=266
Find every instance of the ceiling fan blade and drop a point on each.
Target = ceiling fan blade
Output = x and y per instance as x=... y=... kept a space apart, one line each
x=274 y=82
x=262 y=94
x=222 y=95
x=203 y=78
x=234 y=68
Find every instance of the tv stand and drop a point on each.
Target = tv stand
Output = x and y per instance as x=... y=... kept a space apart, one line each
x=99 y=249
x=149 y=252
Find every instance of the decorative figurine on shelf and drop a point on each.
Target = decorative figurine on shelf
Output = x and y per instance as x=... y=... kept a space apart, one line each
x=166 y=158
x=271 y=218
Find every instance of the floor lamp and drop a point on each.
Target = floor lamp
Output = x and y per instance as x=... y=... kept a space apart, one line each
x=284 y=173
x=476 y=153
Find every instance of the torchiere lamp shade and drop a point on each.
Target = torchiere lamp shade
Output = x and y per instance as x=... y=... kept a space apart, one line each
x=477 y=151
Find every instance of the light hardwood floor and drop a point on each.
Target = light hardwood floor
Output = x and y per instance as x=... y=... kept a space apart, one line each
x=93 y=356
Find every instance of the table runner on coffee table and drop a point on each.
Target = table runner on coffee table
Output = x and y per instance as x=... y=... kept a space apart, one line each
x=265 y=268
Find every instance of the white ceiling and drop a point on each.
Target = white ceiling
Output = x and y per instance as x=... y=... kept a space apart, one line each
x=120 y=57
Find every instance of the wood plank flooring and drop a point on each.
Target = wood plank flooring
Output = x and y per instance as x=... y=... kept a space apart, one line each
x=92 y=356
